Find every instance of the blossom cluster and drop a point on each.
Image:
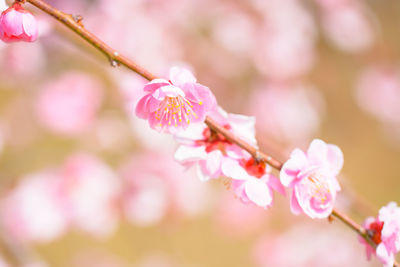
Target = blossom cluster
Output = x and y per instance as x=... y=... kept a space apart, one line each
x=179 y=106
x=169 y=106
x=384 y=231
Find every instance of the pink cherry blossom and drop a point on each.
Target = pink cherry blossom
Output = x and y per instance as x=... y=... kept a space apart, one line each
x=312 y=175
x=68 y=105
x=156 y=185
x=285 y=46
x=252 y=182
x=18 y=24
x=348 y=27
x=287 y=112
x=384 y=231
x=34 y=210
x=378 y=92
x=308 y=245
x=234 y=219
x=208 y=150
x=170 y=106
x=91 y=190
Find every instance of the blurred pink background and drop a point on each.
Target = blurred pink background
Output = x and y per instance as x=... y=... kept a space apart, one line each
x=83 y=182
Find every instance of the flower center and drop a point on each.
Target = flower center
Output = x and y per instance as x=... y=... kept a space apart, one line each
x=214 y=141
x=175 y=110
x=319 y=189
x=254 y=168
x=375 y=231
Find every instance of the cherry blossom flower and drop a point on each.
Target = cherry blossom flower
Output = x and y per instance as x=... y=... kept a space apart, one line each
x=312 y=175
x=285 y=46
x=347 y=26
x=152 y=191
x=378 y=92
x=91 y=190
x=34 y=210
x=308 y=245
x=294 y=111
x=68 y=105
x=18 y=24
x=170 y=106
x=130 y=87
x=252 y=182
x=209 y=150
x=234 y=219
x=385 y=233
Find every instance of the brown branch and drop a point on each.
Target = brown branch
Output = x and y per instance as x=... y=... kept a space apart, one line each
x=75 y=24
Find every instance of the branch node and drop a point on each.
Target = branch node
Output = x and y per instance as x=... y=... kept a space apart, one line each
x=78 y=19
x=114 y=63
x=257 y=156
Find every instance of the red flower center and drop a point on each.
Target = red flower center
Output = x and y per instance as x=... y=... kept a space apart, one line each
x=214 y=141
x=375 y=231
x=254 y=168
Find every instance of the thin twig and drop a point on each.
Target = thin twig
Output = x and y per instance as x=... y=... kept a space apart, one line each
x=75 y=24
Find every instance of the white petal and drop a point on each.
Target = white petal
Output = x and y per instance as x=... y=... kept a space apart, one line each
x=232 y=169
x=258 y=192
x=188 y=153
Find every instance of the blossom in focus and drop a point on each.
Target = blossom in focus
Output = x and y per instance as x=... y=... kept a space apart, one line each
x=171 y=106
x=34 y=210
x=384 y=231
x=18 y=24
x=312 y=175
x=252 y=182
x=209 y=150
x=68 y=105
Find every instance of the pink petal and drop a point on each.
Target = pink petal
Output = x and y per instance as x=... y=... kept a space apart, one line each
x=155 y=84
x=141 y=107
x=335 y=159
x=12 y=23
x=258 y=192
x=30 y=26
x=275 y=184
x=294 y=205
x=167 y=91
x=317 y=152
x=181 y=76
x=292 y=167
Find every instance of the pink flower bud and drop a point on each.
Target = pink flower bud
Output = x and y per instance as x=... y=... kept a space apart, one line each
x=18 y=24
